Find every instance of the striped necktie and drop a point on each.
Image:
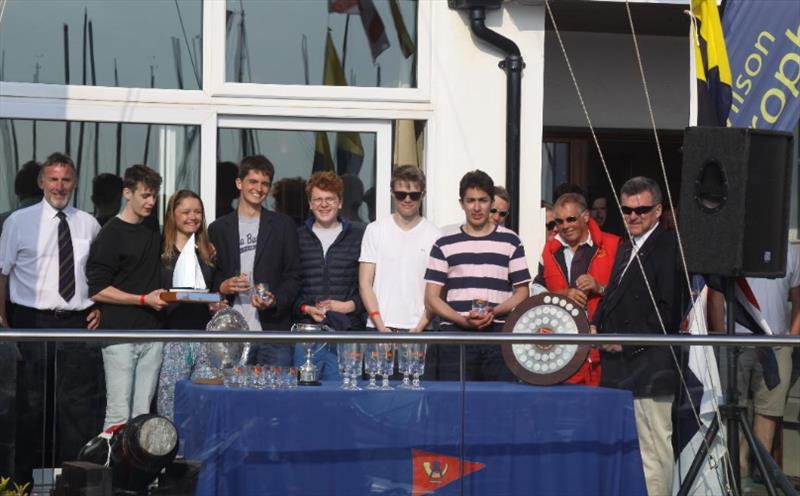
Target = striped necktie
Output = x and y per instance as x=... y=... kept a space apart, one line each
x=66 y=260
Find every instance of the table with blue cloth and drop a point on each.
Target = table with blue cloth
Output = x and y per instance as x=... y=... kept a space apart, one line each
x=517 y=439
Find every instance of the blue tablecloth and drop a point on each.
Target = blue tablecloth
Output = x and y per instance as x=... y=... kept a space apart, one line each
x=517 y=439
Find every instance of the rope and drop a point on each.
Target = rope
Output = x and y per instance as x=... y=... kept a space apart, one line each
x=616 y=199
x=677 y=230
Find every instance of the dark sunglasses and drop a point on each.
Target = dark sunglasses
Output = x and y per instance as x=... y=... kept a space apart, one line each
x=402 y=195
x=568 y=220
x=551 y=225
x=501 y=213
x=644 y=209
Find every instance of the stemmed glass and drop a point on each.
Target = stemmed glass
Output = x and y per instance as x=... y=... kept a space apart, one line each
x=342 y=355
x=403 y=365
x=417 y=362
x=355 y=360
x=372 y=363
x=387 y=364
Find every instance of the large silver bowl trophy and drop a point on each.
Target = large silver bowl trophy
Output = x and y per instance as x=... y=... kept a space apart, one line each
x=309 y=374
x=220 y=355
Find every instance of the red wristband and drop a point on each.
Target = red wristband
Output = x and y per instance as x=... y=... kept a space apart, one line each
x=141 y=299
x=303 y=308
x=374 y=314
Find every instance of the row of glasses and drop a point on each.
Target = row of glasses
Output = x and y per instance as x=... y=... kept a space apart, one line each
x=377 y=359
x=260 y=377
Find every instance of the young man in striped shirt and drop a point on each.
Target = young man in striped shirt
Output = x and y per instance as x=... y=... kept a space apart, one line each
x=478 y=263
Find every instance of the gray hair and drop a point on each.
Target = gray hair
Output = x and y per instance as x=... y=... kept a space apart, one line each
x=640 y=184
x=575 y=198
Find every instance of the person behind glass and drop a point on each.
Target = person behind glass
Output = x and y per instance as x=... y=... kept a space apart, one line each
x=43 y=251
x=256 y=246
x=106 y=196
x=476 y=275
x=26 y=188
x=124 y=275
x=329 y=249
x=184 y=218
x=550 y=225
x=394 y=255
x=577 y=263
x=627 y=307
x=599 y=210
x=500 y=206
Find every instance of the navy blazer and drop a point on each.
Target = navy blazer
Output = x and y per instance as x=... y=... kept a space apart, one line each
x=626 y=308
x=276 y=261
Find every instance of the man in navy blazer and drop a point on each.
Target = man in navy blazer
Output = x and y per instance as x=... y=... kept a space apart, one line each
x=649 y=372
x=255 y=246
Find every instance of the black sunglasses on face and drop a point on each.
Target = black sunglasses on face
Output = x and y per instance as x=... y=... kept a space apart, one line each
x=568 y=220
x=551 y=225
x=644 y=209
x=501 y=213
x=402 y=195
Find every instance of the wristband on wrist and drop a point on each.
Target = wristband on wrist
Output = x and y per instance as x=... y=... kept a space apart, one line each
x=373 y=314
x=141 y=299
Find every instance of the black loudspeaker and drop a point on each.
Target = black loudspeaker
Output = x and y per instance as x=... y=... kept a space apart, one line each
x=734 y=208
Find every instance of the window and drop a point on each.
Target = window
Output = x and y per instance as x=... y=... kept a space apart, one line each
x=96 y=148
x=336 y=43
x=83 y=42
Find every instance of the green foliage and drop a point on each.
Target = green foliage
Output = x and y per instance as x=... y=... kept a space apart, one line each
x=17 y=490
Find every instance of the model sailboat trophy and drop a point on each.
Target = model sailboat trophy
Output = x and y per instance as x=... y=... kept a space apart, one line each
x=188 y=284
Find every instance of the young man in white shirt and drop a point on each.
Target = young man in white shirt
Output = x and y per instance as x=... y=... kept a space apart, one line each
x=43 y=252
x=394 y=256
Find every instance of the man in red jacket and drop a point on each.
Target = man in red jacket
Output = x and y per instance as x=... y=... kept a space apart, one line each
x=577 y=263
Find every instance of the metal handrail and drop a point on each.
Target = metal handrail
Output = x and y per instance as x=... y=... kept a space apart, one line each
x=376 y=337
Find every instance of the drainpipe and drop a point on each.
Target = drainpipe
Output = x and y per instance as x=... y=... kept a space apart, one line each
x=513 y=65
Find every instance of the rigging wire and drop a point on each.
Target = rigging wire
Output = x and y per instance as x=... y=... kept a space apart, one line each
x=722 y=434
x=616 y=199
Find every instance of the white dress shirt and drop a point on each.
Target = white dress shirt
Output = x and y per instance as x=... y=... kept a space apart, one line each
x=638 y=241
x=29 y=256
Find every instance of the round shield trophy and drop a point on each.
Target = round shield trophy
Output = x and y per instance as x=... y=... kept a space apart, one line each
x=309 y=373
x=546 y=364
x=218 y=356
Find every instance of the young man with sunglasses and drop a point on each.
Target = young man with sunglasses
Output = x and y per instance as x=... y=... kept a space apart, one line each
x=577 y=263
x=500 y=206
x=627 y=307
x=476 y=275
x=394 y=255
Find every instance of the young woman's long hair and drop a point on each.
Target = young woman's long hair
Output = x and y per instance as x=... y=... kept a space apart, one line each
x=205 y=250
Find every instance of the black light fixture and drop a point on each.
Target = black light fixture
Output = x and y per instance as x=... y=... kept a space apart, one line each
x=139 y=451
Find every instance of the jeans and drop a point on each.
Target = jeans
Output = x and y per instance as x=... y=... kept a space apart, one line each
x=131 y=377
x=271 y=354
x=325 y=359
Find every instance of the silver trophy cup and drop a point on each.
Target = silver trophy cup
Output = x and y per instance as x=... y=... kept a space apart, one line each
x=309 y=373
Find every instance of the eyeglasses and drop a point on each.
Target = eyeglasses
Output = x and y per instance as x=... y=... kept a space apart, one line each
x=644 y=209
x=402 y=195
x=568 y=220
x=323 y=201
x=501 y=213
x=551 y=225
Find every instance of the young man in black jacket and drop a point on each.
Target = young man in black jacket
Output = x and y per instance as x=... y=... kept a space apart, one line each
x=256 y=246
x=329 y=250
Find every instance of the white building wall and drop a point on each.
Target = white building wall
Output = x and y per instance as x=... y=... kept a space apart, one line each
x=468 y=96
x=608 y=74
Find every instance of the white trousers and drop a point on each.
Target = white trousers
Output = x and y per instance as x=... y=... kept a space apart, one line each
x=654 y=427
x=131 y=378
